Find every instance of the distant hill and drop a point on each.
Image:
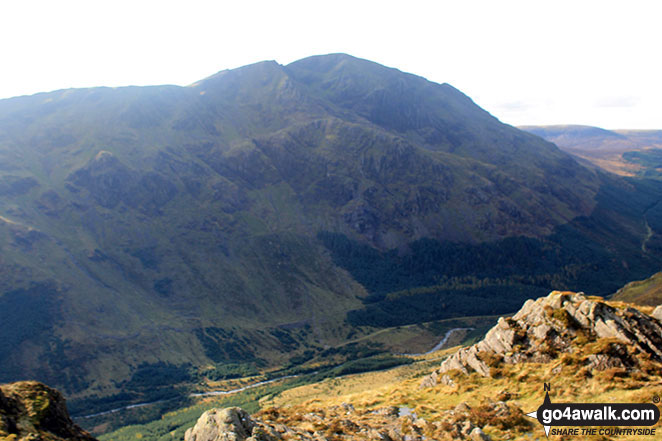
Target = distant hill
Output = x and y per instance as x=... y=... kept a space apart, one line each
x=624 y=152
x=151 y=234
x=583 y=138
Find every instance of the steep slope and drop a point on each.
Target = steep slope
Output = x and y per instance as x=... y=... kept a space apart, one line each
x=497 y=178
x=120 y=223
x=149 y=232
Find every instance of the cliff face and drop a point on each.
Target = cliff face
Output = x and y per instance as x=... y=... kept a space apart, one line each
x=599 y=334
x=33 y=411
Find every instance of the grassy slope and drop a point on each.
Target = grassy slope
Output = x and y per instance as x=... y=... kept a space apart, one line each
x=400 y=387
x=643 y=292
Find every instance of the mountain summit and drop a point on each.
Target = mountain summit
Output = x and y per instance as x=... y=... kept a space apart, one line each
x=269 y=210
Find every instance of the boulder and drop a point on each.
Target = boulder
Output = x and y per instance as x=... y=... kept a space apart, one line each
x=229 y=424
x=657 y=313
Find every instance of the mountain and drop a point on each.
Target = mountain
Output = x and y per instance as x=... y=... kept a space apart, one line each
x=267 y=214
x=31 y=410
x=624 y=152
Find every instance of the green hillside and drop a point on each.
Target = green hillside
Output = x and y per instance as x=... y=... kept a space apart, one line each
x=272 y=210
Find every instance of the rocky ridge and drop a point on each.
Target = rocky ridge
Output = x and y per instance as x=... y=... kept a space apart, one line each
x=616 y=335
x=32 y=411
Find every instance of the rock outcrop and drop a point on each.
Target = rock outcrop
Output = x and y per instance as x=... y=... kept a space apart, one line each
x=32 y=411
x=340 y=423
x=657 y=313
x=557 y=324
x=230 y=424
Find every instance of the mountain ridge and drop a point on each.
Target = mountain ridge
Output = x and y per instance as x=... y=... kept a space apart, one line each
x=207 y=219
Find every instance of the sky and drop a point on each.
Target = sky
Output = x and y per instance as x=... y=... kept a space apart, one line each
x=526 y=62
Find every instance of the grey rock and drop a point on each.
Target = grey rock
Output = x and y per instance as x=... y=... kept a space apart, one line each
x=601 y=362
x=229 y=424
x=429 y=381
x=467 y=428
x=657 y=313
x=447 y=380
x=478 y=435
x=547 y=326
x=33 y=411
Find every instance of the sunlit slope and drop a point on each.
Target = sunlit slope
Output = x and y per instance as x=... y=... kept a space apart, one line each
x=586 y=349
x=642 y=292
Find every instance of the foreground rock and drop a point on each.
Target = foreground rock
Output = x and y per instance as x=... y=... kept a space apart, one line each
x=230 y=424
x=346 y=423
x=33 y=411
x=563 y=322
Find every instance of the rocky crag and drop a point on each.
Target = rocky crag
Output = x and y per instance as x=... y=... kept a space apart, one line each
x=599 y=335
x=33 y=411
